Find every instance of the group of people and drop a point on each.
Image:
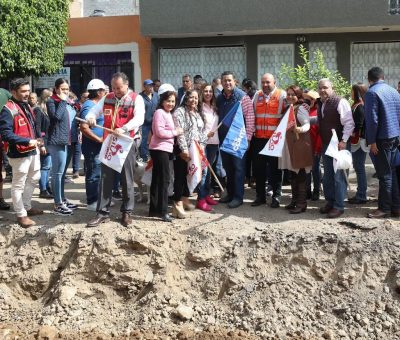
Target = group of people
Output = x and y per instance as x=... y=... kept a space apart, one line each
x=164 y=123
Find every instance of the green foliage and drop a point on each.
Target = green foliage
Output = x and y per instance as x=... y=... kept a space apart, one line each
x=33 y=34
x=307 y=75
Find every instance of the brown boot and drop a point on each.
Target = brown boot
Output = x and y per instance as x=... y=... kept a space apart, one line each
x=293 y=184
x=177 y=210
x=25 y=222
x=301 y=192
x=126 y=219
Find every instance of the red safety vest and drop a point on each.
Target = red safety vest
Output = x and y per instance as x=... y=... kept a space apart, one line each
x=21 y=126
x=268 y=115
x=125 y=111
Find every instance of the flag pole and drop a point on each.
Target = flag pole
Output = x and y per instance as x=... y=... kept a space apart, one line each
x=104 y=128
x=209 y=166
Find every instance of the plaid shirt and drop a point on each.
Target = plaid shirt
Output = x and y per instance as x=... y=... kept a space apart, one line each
x=249 y=118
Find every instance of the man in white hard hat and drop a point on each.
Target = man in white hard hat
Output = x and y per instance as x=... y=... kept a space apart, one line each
x=123 y=112
x=92 y=139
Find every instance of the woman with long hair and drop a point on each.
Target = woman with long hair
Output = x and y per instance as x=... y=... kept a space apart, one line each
x=209 y=112
x=359 y=147
x=62 y=117
x=161 y=147
x=42 y=123
x=297 y=154
x=190 y=120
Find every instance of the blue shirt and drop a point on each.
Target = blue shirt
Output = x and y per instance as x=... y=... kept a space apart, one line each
x=150 y=105
x=89 y=145
x=382 y=112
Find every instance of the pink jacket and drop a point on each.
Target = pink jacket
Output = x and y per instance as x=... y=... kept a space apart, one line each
x=163 y=129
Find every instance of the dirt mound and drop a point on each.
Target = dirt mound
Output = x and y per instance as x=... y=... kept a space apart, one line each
x=246 y=273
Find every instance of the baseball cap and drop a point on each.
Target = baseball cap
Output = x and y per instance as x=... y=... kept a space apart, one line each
x=165 y=88
x=148 y=82
x=96 y=84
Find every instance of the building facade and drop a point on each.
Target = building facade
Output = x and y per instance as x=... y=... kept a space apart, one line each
x=257 y=36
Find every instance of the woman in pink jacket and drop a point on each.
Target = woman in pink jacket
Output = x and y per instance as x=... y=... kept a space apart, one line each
x=161 y=147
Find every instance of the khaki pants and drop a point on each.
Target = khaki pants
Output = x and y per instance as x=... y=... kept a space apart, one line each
x=26 y=174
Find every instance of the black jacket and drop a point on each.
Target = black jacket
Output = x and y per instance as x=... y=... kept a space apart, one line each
x=42 y=122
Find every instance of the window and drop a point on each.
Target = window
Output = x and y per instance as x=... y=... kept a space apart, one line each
x=394 y=7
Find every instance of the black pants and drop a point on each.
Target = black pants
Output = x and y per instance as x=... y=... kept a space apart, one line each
x=180 y=181
x=264 y=165
x=159 y=182
x=107 y=184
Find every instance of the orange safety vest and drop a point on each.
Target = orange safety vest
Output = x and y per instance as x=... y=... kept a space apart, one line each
x=125 y=111
x=21 y=126
x=268 y=115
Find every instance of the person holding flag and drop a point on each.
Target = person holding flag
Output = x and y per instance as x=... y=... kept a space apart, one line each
x=297 y=154
x=188 y=118
x=334 y=113
x=161 y=147
x=269 y=106
x=123 y=112
x=236 y=121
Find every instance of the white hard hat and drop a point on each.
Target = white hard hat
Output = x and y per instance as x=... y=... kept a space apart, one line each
x=343 y=160
x=96 y=84
x=165 y=88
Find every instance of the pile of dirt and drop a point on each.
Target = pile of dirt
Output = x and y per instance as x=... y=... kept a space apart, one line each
x=247 y=273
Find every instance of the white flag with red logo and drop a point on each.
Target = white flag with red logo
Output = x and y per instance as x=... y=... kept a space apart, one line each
x=198 y=162
x=114 y=151
x=275 y=144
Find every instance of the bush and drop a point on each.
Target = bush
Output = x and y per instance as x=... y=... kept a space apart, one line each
x=307 y=75
x=32 y=36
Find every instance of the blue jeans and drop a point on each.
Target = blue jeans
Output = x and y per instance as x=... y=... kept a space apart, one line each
x=314 y=176
x=144 y=146
x=335 y=185
x=74 y=153
x=92 y=176
x=359 y=157
x=58 y=157
x=45 y=166
x=388 y=198
x=235 y=174
x=205 y=184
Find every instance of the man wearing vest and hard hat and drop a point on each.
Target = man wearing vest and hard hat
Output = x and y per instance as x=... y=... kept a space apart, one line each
x=17 y=126
x=123 y=112
x=269 y=107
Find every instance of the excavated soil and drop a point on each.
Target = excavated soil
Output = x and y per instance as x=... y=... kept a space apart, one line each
x=247 y=273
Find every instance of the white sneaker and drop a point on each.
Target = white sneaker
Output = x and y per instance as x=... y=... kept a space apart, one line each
x=92 y=207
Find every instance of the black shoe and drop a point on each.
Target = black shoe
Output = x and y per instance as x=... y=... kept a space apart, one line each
x=98 y=220
x=49 y=190
x=166 y=218
x=117 y=195
x=225 y=199
x=234 y=204
x=45 y=194
x=4 y=205
x=257 y=202
x=315 y=196
x=275 y=203
x=355 y=200
x=326 y=209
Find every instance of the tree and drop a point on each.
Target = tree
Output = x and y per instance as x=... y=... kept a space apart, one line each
x=32 y=36
x=307 y=75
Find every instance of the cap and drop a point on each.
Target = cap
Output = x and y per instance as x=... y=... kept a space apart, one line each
x=148 y=82
x=165 y=88
x=96 y=84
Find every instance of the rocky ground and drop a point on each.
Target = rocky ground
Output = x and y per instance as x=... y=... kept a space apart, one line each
x=248 y=273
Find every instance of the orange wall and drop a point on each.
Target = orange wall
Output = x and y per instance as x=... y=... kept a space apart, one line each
x=111 y=30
